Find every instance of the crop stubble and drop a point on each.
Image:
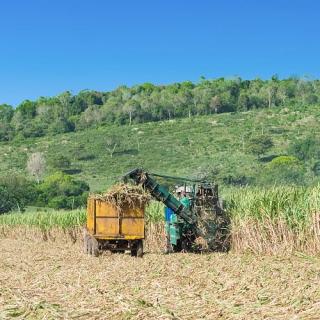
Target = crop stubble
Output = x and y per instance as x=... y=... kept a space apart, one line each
x=55 y=280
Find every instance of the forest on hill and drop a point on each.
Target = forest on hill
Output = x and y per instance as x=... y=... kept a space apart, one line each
x=262 y=148
x=233 y=131
x=148 y=102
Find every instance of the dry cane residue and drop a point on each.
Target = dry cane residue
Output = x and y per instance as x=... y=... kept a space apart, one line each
x=125 y=195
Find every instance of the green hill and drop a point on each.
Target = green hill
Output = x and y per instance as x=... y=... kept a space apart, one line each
x=216 y=145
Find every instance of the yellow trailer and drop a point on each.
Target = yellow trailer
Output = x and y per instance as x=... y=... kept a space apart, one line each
x=114 y=229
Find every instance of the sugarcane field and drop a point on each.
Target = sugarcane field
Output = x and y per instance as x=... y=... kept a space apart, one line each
x=160 y=160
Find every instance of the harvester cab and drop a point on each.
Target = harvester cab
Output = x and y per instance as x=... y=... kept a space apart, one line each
x=199 y=225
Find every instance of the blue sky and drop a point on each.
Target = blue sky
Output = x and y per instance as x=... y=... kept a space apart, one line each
x=47 y=47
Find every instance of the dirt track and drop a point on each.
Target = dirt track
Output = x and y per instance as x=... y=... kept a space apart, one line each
x=57 y=281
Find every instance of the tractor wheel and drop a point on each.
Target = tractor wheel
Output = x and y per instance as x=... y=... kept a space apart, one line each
x=168 y=249
x=185 y=245
x=177 y=247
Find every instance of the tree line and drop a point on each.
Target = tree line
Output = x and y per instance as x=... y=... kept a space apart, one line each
x=148 y=102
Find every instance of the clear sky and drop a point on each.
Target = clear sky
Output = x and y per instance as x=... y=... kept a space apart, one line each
x=50 y=46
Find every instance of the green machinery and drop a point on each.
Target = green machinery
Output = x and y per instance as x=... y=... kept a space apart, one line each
x=204 y=218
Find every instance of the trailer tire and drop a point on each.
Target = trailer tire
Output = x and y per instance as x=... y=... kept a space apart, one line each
x=137 y=249
x=140 y=249
x=118 y=251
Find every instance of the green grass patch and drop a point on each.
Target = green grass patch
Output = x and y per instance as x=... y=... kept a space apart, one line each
x=65 y=219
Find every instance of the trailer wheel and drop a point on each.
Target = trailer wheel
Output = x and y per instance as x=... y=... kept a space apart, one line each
x=137 y=249
x=140 y=249
x=133 y=252
x=118 y=251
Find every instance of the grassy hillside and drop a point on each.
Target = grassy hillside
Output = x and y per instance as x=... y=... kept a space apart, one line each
x=187 y=147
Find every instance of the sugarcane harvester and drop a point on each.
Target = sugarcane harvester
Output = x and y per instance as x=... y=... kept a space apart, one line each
x=198 y=226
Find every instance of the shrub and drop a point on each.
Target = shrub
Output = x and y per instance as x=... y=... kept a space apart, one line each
x=60 y=125
x=283 y=161
x=316 y=168
x=60 y=162
x=237 y=180
x=260 y=145
x=15 y=193
x=283 y=170
x=7 y=200
x=6 y=132
x=61 y=191
x=85 y=156
x=58 y=202
x=306 y=149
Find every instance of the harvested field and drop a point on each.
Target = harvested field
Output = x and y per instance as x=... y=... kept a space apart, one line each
x=55 y=280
